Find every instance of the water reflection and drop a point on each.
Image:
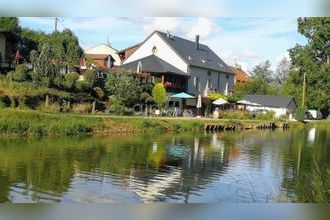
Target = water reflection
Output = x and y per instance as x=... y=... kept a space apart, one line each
x=249 y=166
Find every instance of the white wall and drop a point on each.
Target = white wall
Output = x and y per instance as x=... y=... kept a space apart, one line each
x=278 y=111
x=105 y=49
x=163 y=51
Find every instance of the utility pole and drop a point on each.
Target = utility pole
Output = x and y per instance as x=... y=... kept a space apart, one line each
x=304 y=90
x=56 y=24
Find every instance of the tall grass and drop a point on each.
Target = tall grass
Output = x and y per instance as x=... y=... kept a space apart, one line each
x=33 y=123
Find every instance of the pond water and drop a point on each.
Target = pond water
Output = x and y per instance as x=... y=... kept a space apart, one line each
x=247 y=166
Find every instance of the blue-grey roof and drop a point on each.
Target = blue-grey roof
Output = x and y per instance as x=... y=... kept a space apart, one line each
x=187 y=50
x=153 y=64
x=270 y=100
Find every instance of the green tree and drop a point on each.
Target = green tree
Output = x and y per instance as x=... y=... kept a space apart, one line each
x=159 y=94
x=90 y=78
x=10 y=24
x=71 y=80
x=263 y=71
x=20 y=74
x=282 y=71
x=312 y=60
x=123 y=87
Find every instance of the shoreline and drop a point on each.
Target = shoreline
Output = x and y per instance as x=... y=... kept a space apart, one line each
x=31 y=123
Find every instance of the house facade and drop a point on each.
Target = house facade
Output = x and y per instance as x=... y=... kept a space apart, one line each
x=240 y=75
x=181 y=65
x=281 y=105
x=103 y=56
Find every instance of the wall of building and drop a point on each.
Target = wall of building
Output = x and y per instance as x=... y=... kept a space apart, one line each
x=163 y=51
x=104 y=49
x=278 y=111
x=215 y=80
x=2 y=47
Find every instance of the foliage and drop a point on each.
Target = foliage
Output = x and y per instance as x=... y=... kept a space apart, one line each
x=282 y=71
x=266 y=116
x=52 y=107
x=230 y=114
x=123 y=87
x=2 y=105
x=159 y=94
x=312 y=59
x=300 y=113
x=71 y=80
x=99 y=92
x=262 y=71
x=20 y=74
x=10 y=24
x=216 y=95
x=90 y=78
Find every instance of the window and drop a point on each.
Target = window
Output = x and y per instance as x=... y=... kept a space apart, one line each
x=227 y=76
x=154 y=50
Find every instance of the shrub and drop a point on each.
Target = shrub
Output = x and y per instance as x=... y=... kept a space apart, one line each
x=231 y=114
x=20 y=74
x=81 y=108
x=2 y=105
x=159 y=94
x=216 y=95
x=99 y=92
x=267 y=116
x=71 y=80
x=300 y=113
x=82 y=86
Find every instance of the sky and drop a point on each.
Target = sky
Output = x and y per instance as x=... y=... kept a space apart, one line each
x=246 y=41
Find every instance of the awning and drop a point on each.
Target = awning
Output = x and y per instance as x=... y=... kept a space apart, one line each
x=219 y=101
x=245 y=102
x=182 y=95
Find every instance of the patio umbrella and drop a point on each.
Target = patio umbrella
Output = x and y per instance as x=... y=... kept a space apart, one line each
x=182 y=95
x=199 y=102
x=219 y=101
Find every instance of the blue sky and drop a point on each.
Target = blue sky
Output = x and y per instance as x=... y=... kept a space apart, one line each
x=247 y=41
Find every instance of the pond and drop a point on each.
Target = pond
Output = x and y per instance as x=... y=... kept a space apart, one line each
x=247 y=166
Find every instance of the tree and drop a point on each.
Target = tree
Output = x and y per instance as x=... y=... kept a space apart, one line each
x=159 y=94
x=123 y=87
x=10 y=24
x=312 y=60
x=282 y=71
x=90 y=78
x=262 y=71
x=71 y=80
x=20 y=74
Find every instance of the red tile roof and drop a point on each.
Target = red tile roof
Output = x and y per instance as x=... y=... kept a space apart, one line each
x=240 y=75
x=97 y=56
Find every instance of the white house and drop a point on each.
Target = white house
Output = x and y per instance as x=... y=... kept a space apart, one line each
x=281 y=105
x=102 y=51
x=181 y=64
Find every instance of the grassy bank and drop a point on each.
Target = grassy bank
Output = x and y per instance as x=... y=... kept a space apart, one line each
x=35 y=123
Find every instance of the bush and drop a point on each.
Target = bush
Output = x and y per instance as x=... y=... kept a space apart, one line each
x=20 y=74
x=81 y=108
x=71 y=80
x=231 y=114
x=267 y=116
x=2 y=105
x=300 y=113
x=159 y=94
x=216 y=95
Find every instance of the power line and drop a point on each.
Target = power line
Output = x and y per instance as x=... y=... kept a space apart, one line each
x=61 y=23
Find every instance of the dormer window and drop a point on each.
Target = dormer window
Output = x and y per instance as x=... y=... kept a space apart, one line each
x=189 y=57
x=154 y=50
x=204 y=61
x=222 y=66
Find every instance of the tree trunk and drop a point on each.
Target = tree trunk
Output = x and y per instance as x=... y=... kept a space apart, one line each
x=93 y=108
x=47 y=101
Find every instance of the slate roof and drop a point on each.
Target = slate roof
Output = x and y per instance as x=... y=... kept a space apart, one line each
x=153 y=64
x=269 y=100
x=186 y=49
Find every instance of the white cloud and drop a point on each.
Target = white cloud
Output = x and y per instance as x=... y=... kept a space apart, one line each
x=205 y=27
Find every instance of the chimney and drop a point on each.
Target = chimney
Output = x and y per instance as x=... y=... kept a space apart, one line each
x=197 y=41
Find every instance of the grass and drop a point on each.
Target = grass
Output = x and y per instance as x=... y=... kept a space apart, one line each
x=34 y=123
